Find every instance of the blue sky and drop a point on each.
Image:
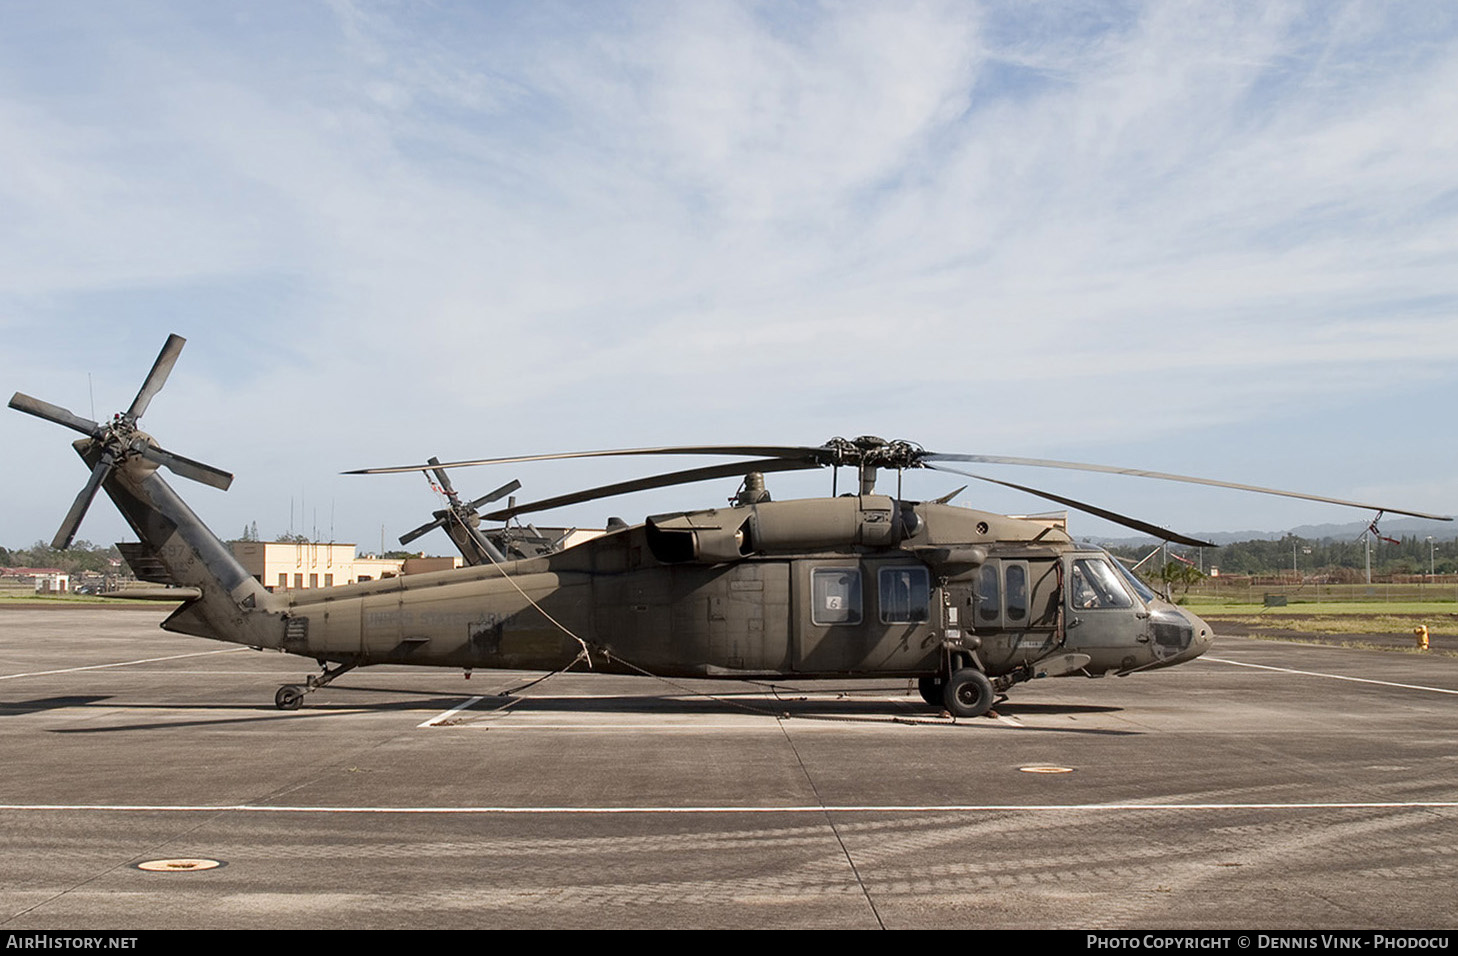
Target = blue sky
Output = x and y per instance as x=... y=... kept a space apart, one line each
x=1201 y=238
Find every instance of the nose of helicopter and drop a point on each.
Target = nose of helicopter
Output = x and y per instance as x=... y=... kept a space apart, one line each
x=1201 y=638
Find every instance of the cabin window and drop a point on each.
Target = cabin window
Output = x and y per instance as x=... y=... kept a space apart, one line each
x=283 y=581
x=1016 y=579
x=905 y=595
x=989 y=595
x=1096 y=585
x=837 y=596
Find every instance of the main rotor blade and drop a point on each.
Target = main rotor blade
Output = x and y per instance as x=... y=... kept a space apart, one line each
x=788 y=452
x=158 y=376
x=1107 y=469
x=501 y=492
x=188 y=468
x=1152 y=529
x=655 y=481
x=72 y=524
x=53 y=413
x=442 y=477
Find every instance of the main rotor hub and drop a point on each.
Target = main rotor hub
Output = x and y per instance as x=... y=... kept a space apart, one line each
x=873 y=452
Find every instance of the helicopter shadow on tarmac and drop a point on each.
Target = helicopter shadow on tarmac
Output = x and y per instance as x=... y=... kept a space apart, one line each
x=42 y=704
x=777 y=704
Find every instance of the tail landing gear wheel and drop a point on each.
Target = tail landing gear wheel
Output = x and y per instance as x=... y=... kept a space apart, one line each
x=932 y=690
x=289 y=697
x=968 y=693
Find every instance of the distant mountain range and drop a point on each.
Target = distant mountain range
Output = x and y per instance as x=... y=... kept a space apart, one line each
x=1391 y=527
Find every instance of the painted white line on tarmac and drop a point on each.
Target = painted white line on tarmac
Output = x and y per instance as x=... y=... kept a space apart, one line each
x=1357 y=680
x=521 y=724
x=145 y=660
x=447 y=715
x=705 y=810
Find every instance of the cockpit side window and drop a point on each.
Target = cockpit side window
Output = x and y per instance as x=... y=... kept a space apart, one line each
x=1094 y=584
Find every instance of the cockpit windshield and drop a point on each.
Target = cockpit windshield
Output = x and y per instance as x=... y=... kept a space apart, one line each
x=1140 y=588
x=1095 y=585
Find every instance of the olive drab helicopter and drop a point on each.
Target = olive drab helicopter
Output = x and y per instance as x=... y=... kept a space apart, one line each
x=461 y=521
x=862 y=585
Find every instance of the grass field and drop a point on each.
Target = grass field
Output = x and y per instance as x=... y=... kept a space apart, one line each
x=29 y=599
x=1398 y=618
x=1362 y=608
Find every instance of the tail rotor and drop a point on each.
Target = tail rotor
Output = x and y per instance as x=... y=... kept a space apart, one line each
x=120 y=441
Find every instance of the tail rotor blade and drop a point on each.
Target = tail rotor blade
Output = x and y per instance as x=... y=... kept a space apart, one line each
x=72 y=524
x=157 y=377
x=52 y=413
x=188 y=468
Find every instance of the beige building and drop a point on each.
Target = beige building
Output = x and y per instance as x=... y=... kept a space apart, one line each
x=45 y=580
x=295 y=565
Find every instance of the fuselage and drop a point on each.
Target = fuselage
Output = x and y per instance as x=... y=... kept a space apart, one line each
x=847 y=587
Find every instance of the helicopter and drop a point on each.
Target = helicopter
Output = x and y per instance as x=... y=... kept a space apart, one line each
x=967 y=603
x=461 y=521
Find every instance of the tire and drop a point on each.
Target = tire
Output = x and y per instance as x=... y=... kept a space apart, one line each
x=289 y=697
x=968 y=693
x=931 y=689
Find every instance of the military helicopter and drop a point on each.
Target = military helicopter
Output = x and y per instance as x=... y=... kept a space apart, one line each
x=461 y=521
x=863 y=585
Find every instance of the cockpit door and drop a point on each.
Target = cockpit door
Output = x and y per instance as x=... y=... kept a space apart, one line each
x=1101 y=611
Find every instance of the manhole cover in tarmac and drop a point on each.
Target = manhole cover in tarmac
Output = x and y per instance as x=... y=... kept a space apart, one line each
x=1046 y=769
x=179 y=866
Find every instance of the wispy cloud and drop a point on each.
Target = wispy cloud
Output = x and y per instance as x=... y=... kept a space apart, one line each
x=512 y=227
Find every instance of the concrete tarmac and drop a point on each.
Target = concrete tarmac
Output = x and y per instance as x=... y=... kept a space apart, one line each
x=1268 y=786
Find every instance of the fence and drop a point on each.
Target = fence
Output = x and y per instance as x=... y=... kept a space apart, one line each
x=1246 y=590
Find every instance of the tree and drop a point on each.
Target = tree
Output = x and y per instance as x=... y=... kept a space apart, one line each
x=1178 y=573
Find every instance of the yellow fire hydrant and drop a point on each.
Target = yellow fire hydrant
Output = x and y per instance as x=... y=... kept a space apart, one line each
x=1421 y=631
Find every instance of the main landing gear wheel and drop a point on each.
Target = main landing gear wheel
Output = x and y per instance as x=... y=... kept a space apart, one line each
x=968 y=693
x=289 y=697
x=932 y=690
